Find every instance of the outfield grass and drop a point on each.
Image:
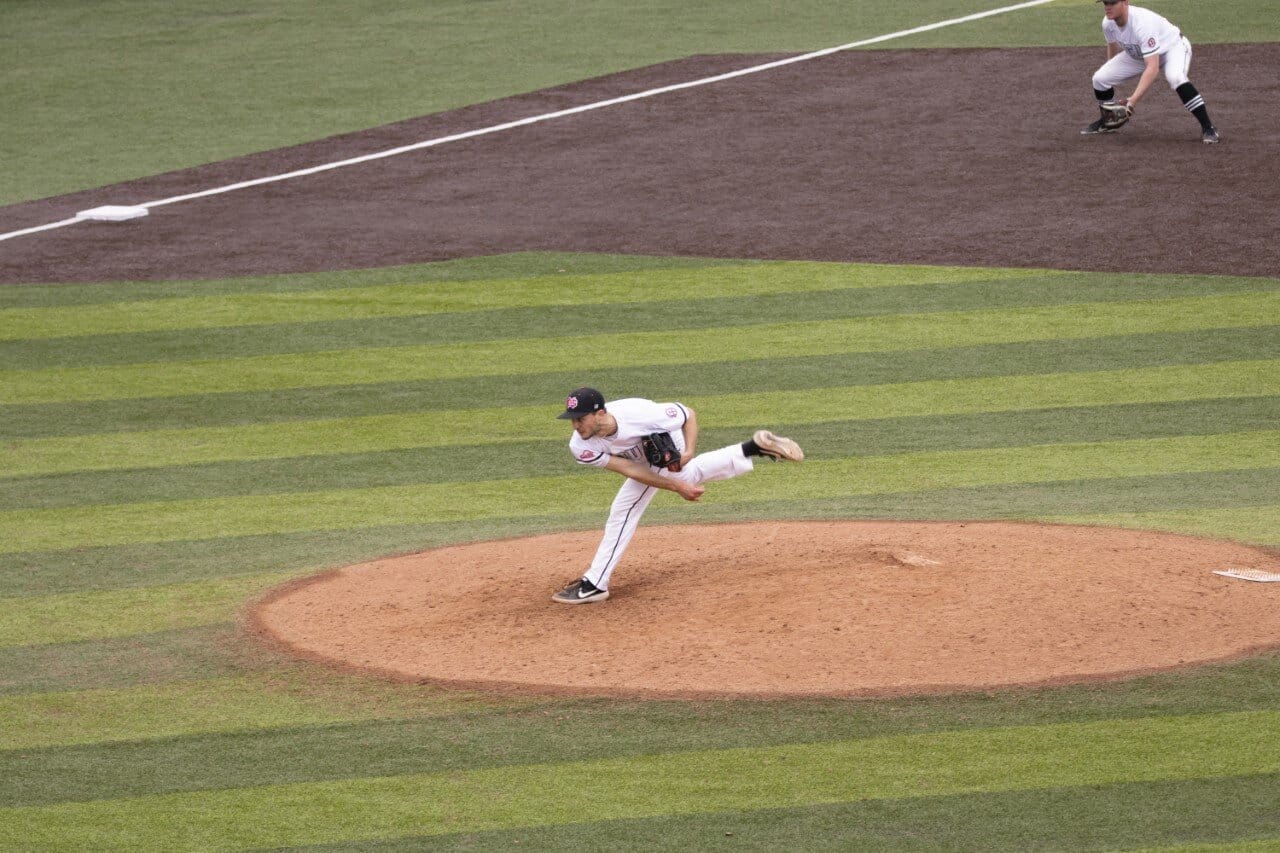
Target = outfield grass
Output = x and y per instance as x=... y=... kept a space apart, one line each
x=989 y=760
x=171 y=450
x=527 y=424
x=146 y=497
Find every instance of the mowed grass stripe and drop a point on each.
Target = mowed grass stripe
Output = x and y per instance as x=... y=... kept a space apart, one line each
x=1104 y=817
x=74 y=570
x=890 y=768
x=151 y=711
x=1260 y=524
x=74 y=527
x=696 y=314
x=514 y=266
x=829 y=439
x=478 y=733
x=1125 y=352
x=183 y=654
x=78 y=616
x=160 y=448
x=415 y=298
x=538 y=355
x=1266 y=844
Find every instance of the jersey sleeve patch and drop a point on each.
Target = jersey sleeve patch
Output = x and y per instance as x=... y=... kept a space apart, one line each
x=590 y=457
x=673 y=417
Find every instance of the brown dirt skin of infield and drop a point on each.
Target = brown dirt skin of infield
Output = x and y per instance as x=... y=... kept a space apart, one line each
x=958 y=157
x=789 y=609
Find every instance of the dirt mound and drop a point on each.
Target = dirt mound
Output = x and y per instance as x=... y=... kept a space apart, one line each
x=838 y=608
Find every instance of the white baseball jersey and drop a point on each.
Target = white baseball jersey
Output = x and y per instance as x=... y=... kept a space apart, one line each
x=636 y=418
x=1145 y=33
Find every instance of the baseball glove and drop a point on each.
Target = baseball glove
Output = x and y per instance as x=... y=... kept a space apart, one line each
x=660 y=449
x=1115 y=114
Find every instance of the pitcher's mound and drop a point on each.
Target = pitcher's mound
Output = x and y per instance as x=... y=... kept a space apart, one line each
x=790 y=609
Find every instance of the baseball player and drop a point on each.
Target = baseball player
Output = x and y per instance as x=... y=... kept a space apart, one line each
x=1145 y=45
x=611 y=437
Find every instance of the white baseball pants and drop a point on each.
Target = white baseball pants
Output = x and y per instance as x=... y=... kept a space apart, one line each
x=634 y=497
x=1176 y=64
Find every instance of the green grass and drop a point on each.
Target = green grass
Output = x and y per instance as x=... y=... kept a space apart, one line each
x=75 y=616
x=1116 y=352
x=169 y=450
x=141 y=509
x=442 y=300
x=455 y=732
x=255 y=515
x=654 y=348
x=157 y=711
x=376 y=433
x=184 y=654
x=716 y=296
x=1094 y=818
x=1256 y=524
x=892 y=768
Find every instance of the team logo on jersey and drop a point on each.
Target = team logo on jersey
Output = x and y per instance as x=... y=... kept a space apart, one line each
x=1151 y=42
x=571 y=403
x=587 y=455
x=672 y=411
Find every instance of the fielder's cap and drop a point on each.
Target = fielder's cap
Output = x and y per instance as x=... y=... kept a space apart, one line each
x=582 y=401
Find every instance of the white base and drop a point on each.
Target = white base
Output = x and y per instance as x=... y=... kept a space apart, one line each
x=112 y=213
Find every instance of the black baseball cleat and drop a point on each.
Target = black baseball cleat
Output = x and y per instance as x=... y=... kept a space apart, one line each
x=581 y=591
x=1096 y=127
x=1210 y=136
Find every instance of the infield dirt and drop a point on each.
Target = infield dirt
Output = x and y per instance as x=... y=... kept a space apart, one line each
x=966 y=157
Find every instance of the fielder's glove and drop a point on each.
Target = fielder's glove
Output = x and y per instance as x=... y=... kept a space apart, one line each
x=1115 y=114
x=660 y=450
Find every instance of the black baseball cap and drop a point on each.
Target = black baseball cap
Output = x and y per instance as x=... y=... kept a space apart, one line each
x=582 y=401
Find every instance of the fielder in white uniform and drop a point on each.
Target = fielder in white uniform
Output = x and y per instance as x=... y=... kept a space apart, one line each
x=611 y=438
x=1145 y=45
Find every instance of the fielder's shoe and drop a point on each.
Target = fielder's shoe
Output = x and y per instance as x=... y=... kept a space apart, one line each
x=580 y=592
x=776 y=447
x=1096 y=127
x=1210 y=136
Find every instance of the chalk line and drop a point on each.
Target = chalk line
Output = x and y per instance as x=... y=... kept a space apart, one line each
x=498 y=128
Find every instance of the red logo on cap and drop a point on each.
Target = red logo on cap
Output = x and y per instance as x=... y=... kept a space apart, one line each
x=571 y=403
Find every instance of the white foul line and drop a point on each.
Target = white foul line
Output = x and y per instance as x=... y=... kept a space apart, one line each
x=48 y=227
x=497 y=128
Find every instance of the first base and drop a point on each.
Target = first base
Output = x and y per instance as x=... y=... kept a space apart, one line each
x=112 y=213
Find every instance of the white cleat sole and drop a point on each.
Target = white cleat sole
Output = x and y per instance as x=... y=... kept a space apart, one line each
x=777 y=446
